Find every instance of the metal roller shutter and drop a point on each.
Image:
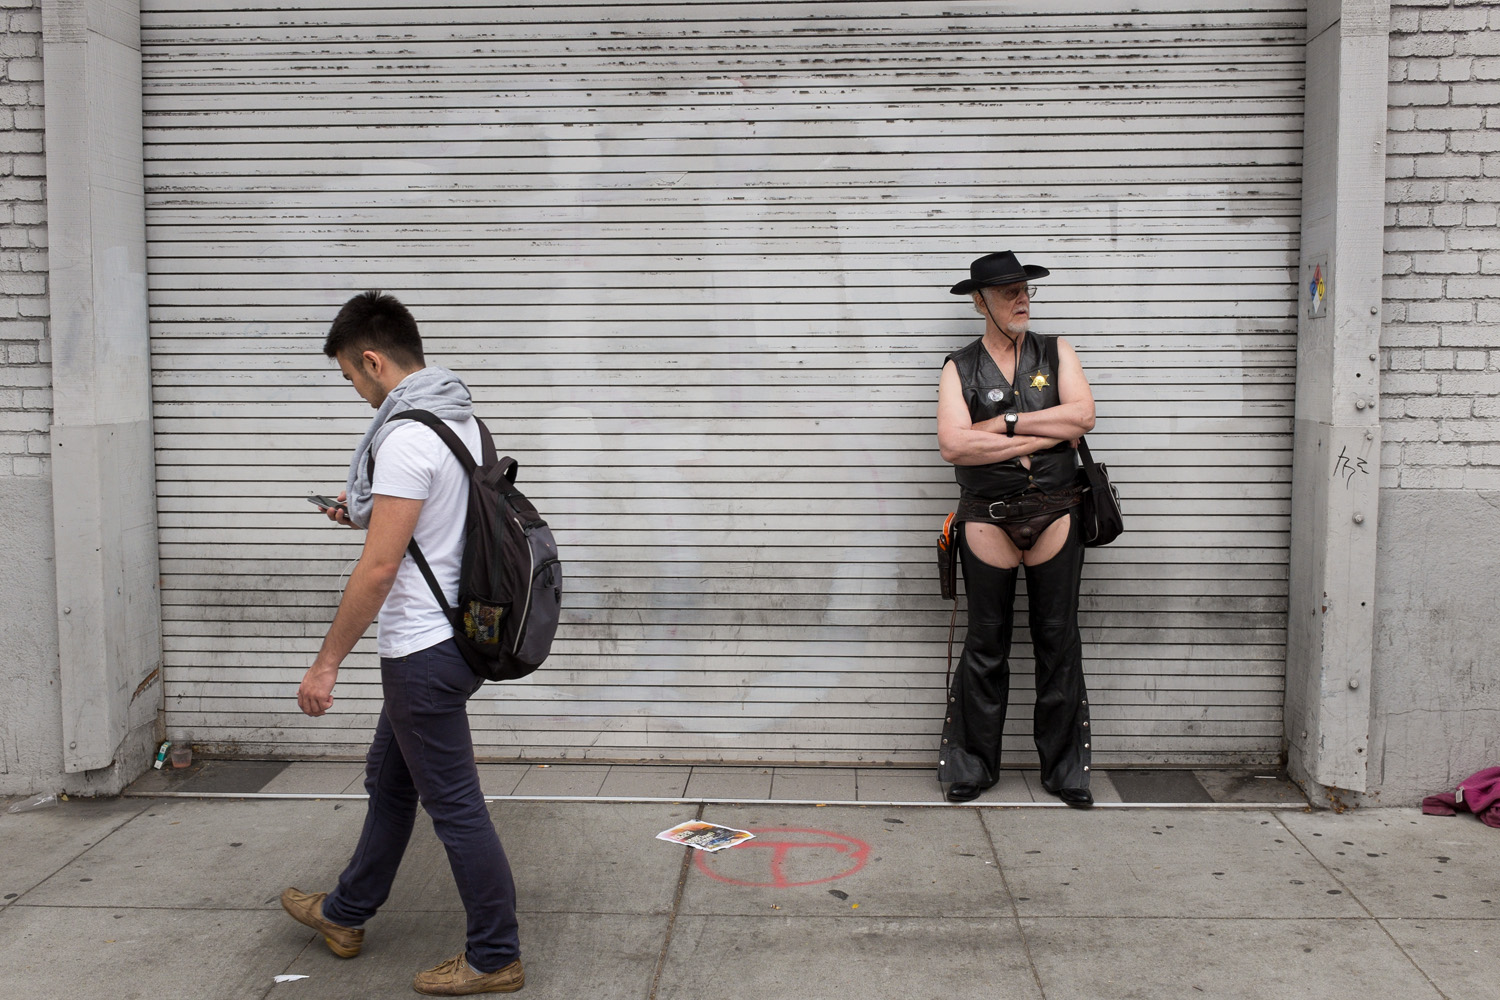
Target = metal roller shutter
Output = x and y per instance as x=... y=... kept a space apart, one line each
x=693 y=259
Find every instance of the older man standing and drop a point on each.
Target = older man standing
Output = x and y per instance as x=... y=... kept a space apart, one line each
x=1011 y=406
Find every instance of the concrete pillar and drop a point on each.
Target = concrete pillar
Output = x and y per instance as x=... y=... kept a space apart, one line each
x=103 y=473
x=1336 y=451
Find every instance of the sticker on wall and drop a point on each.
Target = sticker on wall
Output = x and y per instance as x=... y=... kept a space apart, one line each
x=1317 y=285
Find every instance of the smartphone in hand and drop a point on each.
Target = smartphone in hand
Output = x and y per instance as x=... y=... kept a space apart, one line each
x=328 y=503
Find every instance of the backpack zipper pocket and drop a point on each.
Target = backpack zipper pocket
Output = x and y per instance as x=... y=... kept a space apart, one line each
x=530 y=575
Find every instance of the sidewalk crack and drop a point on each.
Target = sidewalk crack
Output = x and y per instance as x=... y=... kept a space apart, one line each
x=1350 y=892
x=111 y=832
x=1015 y=911
x=661 y=958
x=286 y=969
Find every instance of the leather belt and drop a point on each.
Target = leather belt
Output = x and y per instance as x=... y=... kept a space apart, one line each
x=1020 y=506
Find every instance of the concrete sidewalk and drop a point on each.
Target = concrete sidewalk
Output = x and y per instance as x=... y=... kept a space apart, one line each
x=582 y=781
x=177 y=898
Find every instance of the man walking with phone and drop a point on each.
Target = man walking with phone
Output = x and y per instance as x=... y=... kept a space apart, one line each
x=423 y=749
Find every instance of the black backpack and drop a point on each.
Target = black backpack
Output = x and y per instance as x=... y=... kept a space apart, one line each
x=510 y=583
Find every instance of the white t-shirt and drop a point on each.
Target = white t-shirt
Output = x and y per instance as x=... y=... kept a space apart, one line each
x=414 y=463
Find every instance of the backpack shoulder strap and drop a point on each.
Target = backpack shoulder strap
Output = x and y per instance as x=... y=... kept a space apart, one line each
x=506 y=467
x=449 y=438
x=460 y=452
x=443 y=431
x=415 y=551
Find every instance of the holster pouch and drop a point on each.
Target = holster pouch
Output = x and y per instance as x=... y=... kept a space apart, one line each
x=947 y=558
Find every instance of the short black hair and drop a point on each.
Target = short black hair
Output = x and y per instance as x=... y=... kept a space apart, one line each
x=375 y=321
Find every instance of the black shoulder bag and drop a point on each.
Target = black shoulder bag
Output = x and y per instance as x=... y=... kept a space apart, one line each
x=1099 y=518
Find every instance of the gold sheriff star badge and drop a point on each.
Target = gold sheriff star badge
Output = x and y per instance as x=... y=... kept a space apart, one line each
x=1039 y=381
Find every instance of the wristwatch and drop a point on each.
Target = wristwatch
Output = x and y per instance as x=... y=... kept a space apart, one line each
x=1010 y=423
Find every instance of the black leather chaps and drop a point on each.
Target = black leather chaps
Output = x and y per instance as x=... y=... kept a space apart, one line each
x=980 y=691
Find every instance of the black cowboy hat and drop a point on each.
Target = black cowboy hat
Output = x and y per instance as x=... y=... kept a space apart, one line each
x=997 y=269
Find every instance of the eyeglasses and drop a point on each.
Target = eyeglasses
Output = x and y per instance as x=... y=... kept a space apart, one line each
x=1013 y=292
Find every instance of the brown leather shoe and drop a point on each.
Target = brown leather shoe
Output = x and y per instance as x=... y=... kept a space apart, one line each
x=454 y=978
x=307 y=908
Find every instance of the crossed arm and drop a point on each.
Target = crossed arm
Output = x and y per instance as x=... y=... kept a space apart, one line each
x=392 y=522
x=963 y=442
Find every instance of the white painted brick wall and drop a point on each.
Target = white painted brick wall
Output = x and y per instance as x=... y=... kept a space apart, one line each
x=1440 y=385
x=25 y=372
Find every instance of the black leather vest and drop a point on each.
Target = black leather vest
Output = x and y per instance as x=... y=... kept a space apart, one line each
x=989 y=395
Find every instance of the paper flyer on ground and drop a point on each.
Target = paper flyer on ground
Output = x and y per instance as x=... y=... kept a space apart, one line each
x=704 y=836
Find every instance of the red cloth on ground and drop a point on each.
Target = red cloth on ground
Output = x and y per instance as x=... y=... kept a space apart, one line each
x=1479 y=794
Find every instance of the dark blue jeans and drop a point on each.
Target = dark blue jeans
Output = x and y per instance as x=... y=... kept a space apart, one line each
x=423 y=749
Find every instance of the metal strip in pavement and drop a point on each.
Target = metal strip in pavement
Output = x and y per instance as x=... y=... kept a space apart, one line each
x=639 y=800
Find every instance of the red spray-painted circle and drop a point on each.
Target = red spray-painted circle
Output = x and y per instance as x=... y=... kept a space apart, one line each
x=778 y=843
